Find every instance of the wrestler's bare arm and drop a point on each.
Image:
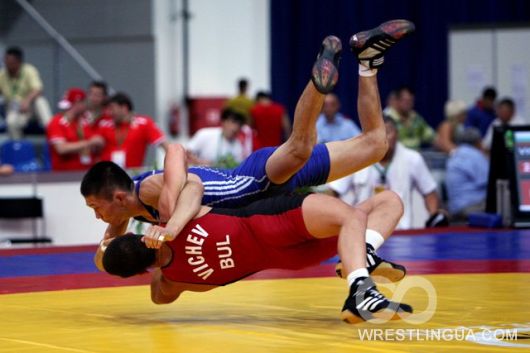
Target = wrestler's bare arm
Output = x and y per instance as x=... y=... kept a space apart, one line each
x=175 y=177
x=164 y=291
x=187 y=207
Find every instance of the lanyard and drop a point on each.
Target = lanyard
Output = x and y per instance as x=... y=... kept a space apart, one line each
x=382 y=172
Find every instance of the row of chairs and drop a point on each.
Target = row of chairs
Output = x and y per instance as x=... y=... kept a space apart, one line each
x=24 y=157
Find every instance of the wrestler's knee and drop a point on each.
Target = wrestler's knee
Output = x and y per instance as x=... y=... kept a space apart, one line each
x=377 y=142
x=392 y=200
x=299 y=150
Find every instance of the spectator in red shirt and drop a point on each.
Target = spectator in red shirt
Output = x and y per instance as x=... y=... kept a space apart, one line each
x=128 y=135
x=73 y=143
x=270 y=121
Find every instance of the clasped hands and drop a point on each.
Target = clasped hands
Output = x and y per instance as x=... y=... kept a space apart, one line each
x=156 y=235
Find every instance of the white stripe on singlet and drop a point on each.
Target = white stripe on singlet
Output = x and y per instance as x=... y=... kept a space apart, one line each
x=227 y=189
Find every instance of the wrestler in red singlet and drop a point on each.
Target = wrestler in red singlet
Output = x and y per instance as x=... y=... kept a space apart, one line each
x=226 y=245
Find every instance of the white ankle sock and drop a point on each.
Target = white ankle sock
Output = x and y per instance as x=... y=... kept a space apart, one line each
x=366 y=72
x=374 y=238
x=360 y=272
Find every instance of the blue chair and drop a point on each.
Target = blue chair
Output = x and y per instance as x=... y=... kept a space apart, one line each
x=21 y=154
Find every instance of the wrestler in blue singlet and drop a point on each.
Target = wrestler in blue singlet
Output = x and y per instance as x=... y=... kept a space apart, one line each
x=248 y=182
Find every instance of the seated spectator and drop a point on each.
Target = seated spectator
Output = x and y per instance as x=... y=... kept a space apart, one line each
x=21 y=86
x=455 y=116
x=401 y=170
x=483 y=113
x=270 y=121
x=332 y=125
x=466 y=177
x=413 y=130
x=73 y=143
x=97 y=102
x=505 y=117
x=128 y=135
x=218 y=146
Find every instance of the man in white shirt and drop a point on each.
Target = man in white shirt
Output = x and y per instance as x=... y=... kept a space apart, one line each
x=219 y=146
x=401 y=170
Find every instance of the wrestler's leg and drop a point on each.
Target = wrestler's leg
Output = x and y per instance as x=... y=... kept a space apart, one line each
x=384 y=211
x=337 y=159
x=354 y=154
x=369 y=46
x=325 y=216
x=291 y=156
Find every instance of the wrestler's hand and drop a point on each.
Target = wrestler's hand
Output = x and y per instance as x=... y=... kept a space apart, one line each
x=156 y=235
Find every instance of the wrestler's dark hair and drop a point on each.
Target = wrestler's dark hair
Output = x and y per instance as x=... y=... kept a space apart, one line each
x=127 y=256
x=103 y=179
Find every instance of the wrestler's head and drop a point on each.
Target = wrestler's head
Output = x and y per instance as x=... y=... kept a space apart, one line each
x=106 y=188
x=127 y=255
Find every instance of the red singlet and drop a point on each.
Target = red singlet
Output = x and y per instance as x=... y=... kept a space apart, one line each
x=226 y=245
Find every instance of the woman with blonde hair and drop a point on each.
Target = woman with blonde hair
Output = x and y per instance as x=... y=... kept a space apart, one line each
x=455 y=116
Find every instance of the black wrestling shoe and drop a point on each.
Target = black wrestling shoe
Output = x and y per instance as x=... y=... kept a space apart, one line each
x=370 y=46
x=325 y=73
x=365 y=303
x=377 y=267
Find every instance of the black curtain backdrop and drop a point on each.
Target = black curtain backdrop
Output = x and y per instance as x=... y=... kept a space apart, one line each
x=420 y=61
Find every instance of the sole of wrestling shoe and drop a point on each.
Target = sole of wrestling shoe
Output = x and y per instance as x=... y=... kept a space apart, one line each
x=382 y=315
x=325 y=73
x=370 y=46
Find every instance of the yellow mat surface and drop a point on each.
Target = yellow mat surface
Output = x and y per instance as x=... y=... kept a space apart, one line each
x=455 y=313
